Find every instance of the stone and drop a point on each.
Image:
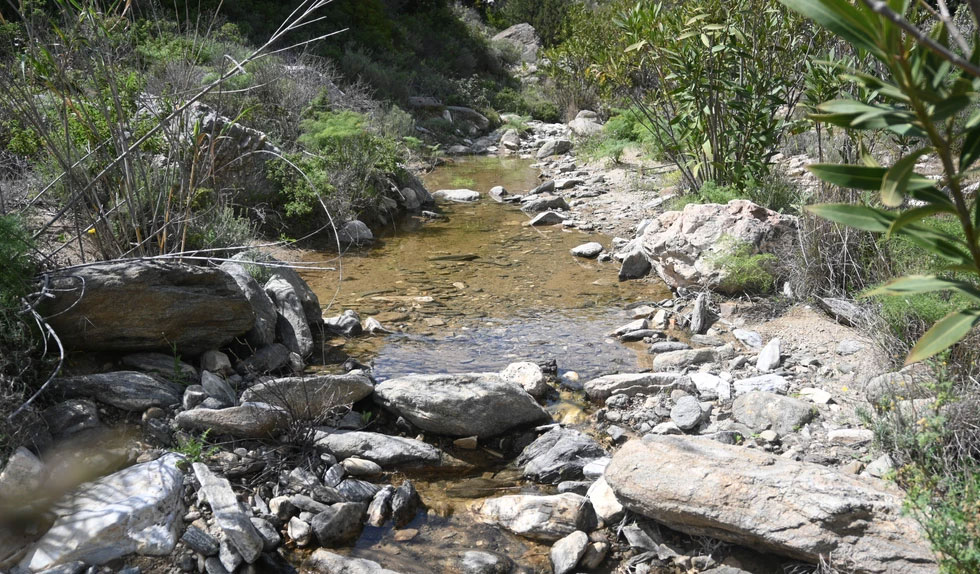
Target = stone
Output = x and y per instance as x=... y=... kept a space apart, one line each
x=405 y=504
x=339 y=525
x=479 y=562
x=594 y=468
x=457 y=195
x=387 y=451
x=547 y=186
x=524 y=38
x=748 y=338
x=167 y=366
x=850 y=437
x=135 y=510
x=270 y=536
x=230 y=515
x=263 y=331
x=558 y=455
x=630 y=384
x=553 y=147
x=299 y=531
x=607 y=508
x=686 y=413
x=635 y=265
x=356 y=490
x=21 y=479
x=268 y=359
x=292 y=327
x=216 y=362
x=361 y=467
x=71 y=417
x=680 y=360
x=566 y=552
x=547 y=218
x=849 y=347
x=818 y=396
x=769 y=357
x=683 y=246
x=529 y=376
x=594 y=555
x=906 y=384
x=843 y=311
x=711 y=386
x=538 y=204
x=194 y=396
x=228 y=556
x=700 y=316
x=311 y=397
x=347 y=324
x=635 y=325
x=545 y=518
x=125 y=390
x=760 y=410
x=881 y=466
x=497 y=192
x=584 y=126
x=379 y=510
x=355 y=232
x=804 y=511
x=433 y=403
x=146 y=306
x=589 y=250
x=304 y=503
x=372 y=326
x=248 y=420
x=325 y=562
x=769 y=383
x=668 y=346
x=218 y=388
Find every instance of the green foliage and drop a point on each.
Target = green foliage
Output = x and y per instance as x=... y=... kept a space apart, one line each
x=194 y=448
x=745 y=271
x=920 y=95
x=711 y=192
x=18 y=269
x=549 y=17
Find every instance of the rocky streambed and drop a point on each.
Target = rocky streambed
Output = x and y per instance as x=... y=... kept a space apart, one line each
x=482 y=394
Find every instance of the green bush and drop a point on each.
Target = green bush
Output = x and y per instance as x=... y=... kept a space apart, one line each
x=744 y=270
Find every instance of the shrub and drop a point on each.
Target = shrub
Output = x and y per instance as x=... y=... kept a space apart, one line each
x=745 y=271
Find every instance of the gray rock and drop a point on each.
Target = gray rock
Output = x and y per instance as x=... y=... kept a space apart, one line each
x=263 y=332
x=906 y=384
x=356 y=490
x=347 y=324
x=635 y=325
x=607 y=508
x=553 y=147
x=774 y=504
x=355 y=232
x=218 y=388
x=126 y=390
x=566 y=552
x=538 y=204
x=850 y=437
x=216 y=362
x=268 y=359
x=330 y=563
x=199 y=541
x=849 y=347
x=229 y=556
x=529 y=376
x=478 y=562
x=589 y=250
x=769 y=357
x=360 y=467
x=340 y=524
x=167 y=366
x=711 y=386
x=497 y=192
x=379 y=510
x=594 y=555
x=71 y=417
x=547 y=186
x=768 y=383
x=146 y=306
x=194 y=396
x=388 y=451
x=686 y=413
x=574 y=486
x=334 y=475
x=700 y=318
x=21 y=479
x=311 y=397
x=668 y=346
x=584 y=126
x=547 y=218
x=457 y=195
x=558 y=455
x=630 y=384
x=748 y=338
x=433 y=403
x=248 y=420
x=229 y=514
x=307 y=298
x=843 y=311
x=525 y=39
x=299 y=531
x=546 y=518
x=636 y=264
x=680 y=360
x=134 y=510
x=594 y=468
x=511 y=140
x=303 y=503
x=881 y=466
x=760 y=410
x=405 y=504
x=270 y=536
x=292 y=327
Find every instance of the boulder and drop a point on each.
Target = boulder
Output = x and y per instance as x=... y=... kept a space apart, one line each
x=339 y=524
x=479 y=562
x=457 y=195
x=769 y=383
x=529 y=376
x=355 y=232
x=326 y=562
x=548 y=218
x=680 y=360
x=524 y=38
x=307 y=298
x=469 y=115
x=558 y=455
x=292 y=326
x=312 y=397
x=686 y=413
x=547 y=186
x=388 y=451
x=231 y=515
x=545 y=518
x=585 y=124
x=843 y=311
x=268 y=359
x=219 y=389
x=167 y=366
x=510 y=140
x=71 y=417
x=347 y=324
x=146 y=306
x=682 y=246
x=126 y=390
x=263 y=332
x=248 y=420
x=493 y=405
x=636 y=264
x=630 y=384
x=804 y=511
x=760 y=410
x=137 y=509
x=711 y=386
x=553 y=147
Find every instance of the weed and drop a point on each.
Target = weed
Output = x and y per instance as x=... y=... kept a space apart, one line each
x=194 y=448
x=742 y=270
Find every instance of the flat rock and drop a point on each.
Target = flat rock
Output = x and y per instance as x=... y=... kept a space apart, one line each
x=457 y=195
x=553 y=147
x=589 y=250
x=326 y=562
x=268 y=359
x=230 y=514
x=493 y=405
x=135 y=510
x=126 y=390
x=679 y=360
x=630 y=384
x=311 y=397
x=712 y=386
x=558 y=455
x=748 y=338
x=760 y=410
x=843 y=311
x=546 y=518
x=146 y=306
x=388 y=451
x=167 y=366
x=804 y=511
x=248 y=420
x=769 y=383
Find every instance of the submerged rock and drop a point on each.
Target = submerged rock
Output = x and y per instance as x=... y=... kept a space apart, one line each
x=327 y=562
x=546 y=518
x=457 y=195
x=558 y=455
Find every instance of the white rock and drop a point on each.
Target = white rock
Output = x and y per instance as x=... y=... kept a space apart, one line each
x=607 y=507
x=850 y=437
x=769 y=357
x=770 y=383
x=566 y=553
x=748 y=338
x=849 y=347
x=711 y=386
x=815 y=395
x=529 y=376
x=229 y=513
x=457 y=195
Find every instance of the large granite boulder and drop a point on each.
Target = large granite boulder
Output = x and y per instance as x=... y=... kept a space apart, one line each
x=524 y=38
x=684 y=247
x=468 y=404
x=800 y=510
x=147 y=306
